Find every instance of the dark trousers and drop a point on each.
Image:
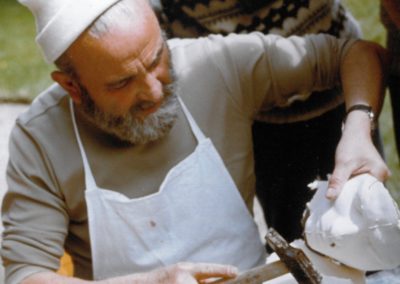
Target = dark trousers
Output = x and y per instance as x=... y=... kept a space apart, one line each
x=287 y=158
x=394 y=89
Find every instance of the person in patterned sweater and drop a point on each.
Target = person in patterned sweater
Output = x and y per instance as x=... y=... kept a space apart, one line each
x=292 y=145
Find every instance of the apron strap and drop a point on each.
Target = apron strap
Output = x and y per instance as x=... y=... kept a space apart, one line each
x=193 y=125
x=89 y=179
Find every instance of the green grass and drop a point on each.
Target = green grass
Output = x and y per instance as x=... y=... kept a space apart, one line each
x=24 y=74
x=367 y=14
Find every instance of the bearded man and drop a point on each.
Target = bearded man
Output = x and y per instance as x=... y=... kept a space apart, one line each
x=134 y=170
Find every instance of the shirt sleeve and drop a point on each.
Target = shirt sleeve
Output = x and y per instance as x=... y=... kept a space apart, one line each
x=34 y=215
x=270 y=70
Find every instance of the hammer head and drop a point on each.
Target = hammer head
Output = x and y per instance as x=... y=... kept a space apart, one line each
x=295 y=259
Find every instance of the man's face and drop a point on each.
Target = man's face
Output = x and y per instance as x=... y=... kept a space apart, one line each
x=131 y=127
x=126 y=81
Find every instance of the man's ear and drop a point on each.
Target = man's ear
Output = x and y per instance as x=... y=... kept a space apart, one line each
x=69 y=84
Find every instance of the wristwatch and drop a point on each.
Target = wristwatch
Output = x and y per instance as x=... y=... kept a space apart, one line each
x=364 y=108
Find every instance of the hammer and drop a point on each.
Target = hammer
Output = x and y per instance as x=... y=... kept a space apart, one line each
x=292 y=260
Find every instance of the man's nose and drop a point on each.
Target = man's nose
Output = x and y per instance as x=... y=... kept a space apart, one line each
x=151 y=89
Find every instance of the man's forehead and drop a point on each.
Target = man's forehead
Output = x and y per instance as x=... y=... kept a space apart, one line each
x=138 y=64
x=123 y=49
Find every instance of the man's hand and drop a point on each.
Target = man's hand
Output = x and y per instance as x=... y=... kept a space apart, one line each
x=355 y=154
x=188 y=273
x=181 y=273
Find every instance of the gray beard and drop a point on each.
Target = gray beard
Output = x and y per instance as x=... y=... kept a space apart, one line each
x=129 y=128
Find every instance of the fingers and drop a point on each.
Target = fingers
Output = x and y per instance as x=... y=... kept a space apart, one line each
x=336 y=182
x=187 y=273
x=343 y=172
x=381 y=172
x=206 y=270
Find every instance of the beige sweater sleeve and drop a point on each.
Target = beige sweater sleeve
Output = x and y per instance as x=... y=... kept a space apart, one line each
x=274 y=71
x=34 y=214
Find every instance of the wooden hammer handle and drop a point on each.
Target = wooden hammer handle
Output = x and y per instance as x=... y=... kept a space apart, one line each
x=258 y=274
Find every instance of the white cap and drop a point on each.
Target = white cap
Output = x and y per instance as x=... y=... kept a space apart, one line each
x=60 y=22
x=361 y=228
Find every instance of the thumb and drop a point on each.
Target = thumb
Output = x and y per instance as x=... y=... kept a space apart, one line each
x=336 y=182
x=206 y=270
x=381 y=173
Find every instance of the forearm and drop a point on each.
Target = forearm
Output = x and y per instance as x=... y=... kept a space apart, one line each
x=363 y=79
x=362 y=75
x=51 y=277
x=392 y=8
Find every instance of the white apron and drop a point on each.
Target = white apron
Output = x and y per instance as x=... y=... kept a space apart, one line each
x=197 y=215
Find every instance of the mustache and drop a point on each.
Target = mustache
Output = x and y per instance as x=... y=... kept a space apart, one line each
x=167 y=91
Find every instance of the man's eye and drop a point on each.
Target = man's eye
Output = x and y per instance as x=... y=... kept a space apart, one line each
x=119 y=84
x=154 y=64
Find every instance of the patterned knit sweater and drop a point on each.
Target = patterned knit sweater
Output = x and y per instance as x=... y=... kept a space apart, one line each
x=191 y=18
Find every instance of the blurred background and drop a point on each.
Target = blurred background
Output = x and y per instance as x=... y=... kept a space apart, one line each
x=23 y=73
